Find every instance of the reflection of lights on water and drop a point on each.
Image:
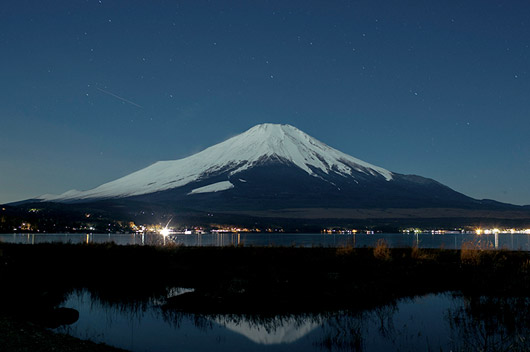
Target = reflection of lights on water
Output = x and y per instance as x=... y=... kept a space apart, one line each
x=165 y=232
x=497 y=240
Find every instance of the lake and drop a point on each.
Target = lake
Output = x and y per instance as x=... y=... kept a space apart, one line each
x=435 y=322
x=514 y=241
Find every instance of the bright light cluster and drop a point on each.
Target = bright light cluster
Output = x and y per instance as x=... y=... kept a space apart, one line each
x=495 y=231
x=165 y=232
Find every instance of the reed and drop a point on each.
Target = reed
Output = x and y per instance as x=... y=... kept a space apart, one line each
x=472 y=252
x=381 y=250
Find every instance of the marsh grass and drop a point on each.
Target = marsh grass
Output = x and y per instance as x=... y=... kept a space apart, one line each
x=417 y=253
x=316 y=278
x=473 y=252
x=525 y=268
x=381 y=250
x=345 y=250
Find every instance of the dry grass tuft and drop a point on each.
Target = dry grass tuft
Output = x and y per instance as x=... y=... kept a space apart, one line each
x=472 y=252
x=345 y=250
x=525 y=268
x=173 y=245
x=420 y=254
x=381 y=250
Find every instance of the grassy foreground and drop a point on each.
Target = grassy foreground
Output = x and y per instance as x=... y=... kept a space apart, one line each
x=246 y=280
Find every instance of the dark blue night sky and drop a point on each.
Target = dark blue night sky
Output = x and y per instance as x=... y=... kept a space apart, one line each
x=93 y=90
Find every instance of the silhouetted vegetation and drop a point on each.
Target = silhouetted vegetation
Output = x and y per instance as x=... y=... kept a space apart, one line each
x=256 y=281
x=234 y=278
x=22 y=336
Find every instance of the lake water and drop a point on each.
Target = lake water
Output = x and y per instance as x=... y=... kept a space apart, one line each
x=423 y=240
x=435 y=322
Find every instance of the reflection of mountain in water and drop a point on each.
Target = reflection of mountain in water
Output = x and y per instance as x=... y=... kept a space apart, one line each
x=436 y=322
x=273 y=331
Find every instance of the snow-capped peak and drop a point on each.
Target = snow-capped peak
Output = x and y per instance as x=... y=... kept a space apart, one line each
x=260 y=143
x=288 y=142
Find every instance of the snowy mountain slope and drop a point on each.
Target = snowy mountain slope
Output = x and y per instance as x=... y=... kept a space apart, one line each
x=260 y=144
x=214 y=187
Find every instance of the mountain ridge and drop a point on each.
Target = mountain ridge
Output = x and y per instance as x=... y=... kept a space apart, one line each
x=277 y=174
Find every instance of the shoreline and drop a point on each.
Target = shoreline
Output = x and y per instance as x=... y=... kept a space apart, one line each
x=24 y=336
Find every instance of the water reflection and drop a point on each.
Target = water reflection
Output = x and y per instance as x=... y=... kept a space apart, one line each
x=420 y=240
x=491 y=324
x=277 y=330
x=441 y=322
x=259 y=330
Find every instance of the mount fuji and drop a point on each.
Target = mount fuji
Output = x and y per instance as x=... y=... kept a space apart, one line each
x=274 y=170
